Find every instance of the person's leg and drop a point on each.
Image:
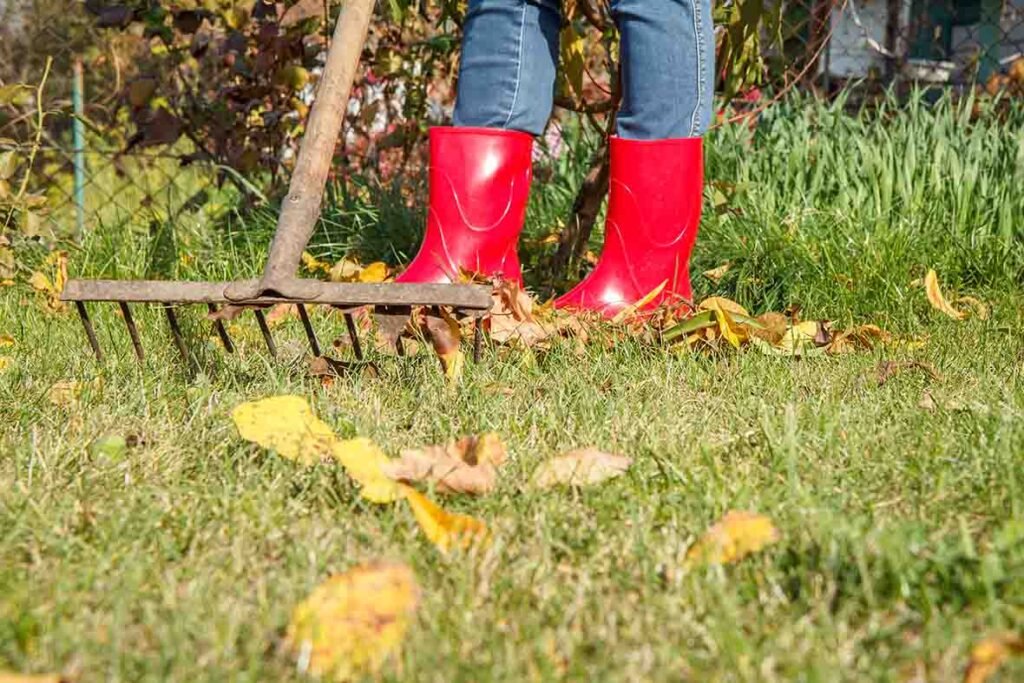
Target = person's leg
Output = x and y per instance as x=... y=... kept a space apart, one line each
x=668 y=68
x=507 y=67
x=480 y=168
x=656 y=179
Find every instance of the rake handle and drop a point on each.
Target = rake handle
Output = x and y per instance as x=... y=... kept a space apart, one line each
x=301 y=208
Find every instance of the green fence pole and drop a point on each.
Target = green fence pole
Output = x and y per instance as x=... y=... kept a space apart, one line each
x=78 y=130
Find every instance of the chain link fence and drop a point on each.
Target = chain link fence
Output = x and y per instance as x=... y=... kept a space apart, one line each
x=82 y=170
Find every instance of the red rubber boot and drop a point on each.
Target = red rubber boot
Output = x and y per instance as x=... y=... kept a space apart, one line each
x=479 y=183
x=654 y=205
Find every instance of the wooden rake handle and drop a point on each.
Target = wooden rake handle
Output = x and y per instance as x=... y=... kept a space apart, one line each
x=301 y=208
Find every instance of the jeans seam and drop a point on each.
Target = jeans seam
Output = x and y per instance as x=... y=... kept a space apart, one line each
x=699 y=42
x=519 y=65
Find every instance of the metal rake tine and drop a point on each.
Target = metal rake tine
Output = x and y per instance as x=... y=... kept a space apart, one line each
x=89 y=331
x=310 y=334
x=133 y=331
x=353 y=334
x=222 y=331
x=179 y=340
x=265 y=331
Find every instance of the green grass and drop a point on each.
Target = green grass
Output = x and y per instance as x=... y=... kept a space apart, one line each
x=902 y=527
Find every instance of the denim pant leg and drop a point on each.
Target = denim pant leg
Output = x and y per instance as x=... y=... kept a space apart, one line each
x=668 y=68
x=507 y=72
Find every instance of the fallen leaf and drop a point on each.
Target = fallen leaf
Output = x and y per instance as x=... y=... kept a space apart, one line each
x=279 y=312
x=227 y=312
x=469 y=465
x=444 y=529
x=9 y=677
x=719 y=302
x=50 y=280
x=857 y=338
x=287 y=425
x=6 y=340
x=315 y=265
x=375 y=272
x=887 y=369
x=345 y=270
x=350 y=624
x=727 y=327
x=65 y=393
x=936 y=299
x=631 y=310
x=989 y=654
x=926 y=402
x=732 y=538
x=978 y=308
x=511 y=317
x=716 y=274
x=774 y=327
x=446 y=336
x=581 y=467
x=5 y=362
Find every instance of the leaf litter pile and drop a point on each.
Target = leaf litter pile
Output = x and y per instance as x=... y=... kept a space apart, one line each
x=353 y=623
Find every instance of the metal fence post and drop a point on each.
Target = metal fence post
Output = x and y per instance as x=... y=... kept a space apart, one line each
x=78 y=131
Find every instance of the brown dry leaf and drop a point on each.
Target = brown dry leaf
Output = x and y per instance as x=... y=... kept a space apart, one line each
x=732 y=538
x=856 y=338
x=9 y=677
x=445 y=336
x=280 y=312
x=716 y=274
x=51 y=278
x=926 y=402
x=775 y=326
x=350 y=624
x=989 y=654
x=469 y=465
x=887 y=369
x=65 y=393
x=511 y=318
x=6 y=340
x=936 y=299
x=446 y=530
x=228 y=312
x=581 y=467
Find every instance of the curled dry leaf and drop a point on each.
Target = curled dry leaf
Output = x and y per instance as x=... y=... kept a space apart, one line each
x=469 y=465
x=861 y=337
x=774 y=327
x=446 y=336
x=732 y=538
x=350 y=624
x=887 y=369
x=287 y=425
x=444 y=529
x=936 y=299
x=989 y=654
x=582 y=467
x=716 y=274
x=978 y=308
x=511 y=318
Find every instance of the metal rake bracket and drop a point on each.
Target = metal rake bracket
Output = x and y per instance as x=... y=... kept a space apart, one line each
x=466 y=299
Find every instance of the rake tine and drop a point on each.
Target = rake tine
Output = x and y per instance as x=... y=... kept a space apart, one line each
x=179 y=340
x=133 y=331
x=222 y=331
x=89 y=332
x=310 y=334
x=353 y=334
x=265 y=330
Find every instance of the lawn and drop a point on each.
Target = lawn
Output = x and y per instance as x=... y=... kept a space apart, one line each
x=899 y=505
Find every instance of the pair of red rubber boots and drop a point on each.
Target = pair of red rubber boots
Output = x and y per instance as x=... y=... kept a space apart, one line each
x=479 y=185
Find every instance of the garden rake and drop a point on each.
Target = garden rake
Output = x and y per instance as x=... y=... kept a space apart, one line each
x=300 y=211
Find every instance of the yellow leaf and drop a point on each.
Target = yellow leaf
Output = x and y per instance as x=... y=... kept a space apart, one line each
x=978 y=307
x=444 y=529
x=573 y=58
x=345 y=270
x=52 y=277
x=582 y=467
x=446 y=337
x=6 y=340
x=716 y=274
x=364 y=462
x=40 y=282
x=375 y=272
x=5 y=361
x=732 y=538
x=720 y=302
x=287 y=425
x=936 y=299
x=313 y=264
x=350 y=624
x=731 y=332
x=989 y=654
x=8 y=677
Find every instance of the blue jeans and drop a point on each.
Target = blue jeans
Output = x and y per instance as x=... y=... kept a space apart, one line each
x=510 y=52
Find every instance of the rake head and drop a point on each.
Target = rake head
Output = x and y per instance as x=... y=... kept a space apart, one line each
x=389 y=298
